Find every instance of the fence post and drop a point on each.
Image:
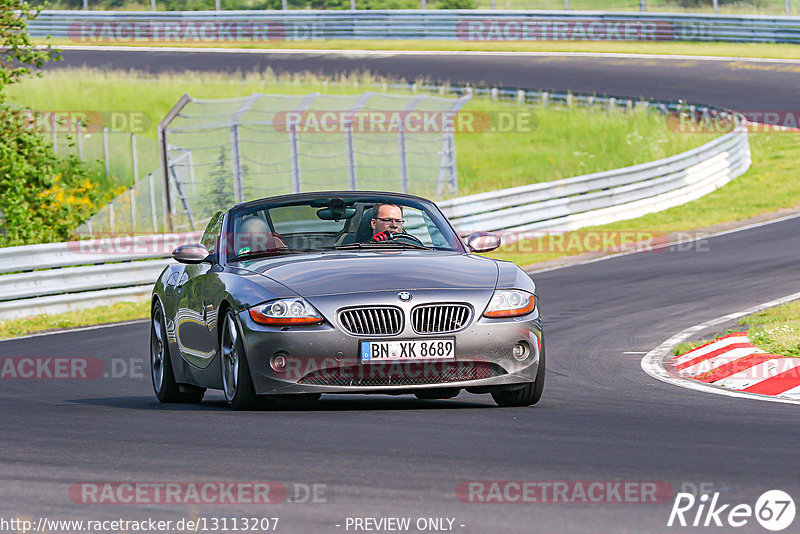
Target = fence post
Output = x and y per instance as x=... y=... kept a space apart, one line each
x=520 y=96
x=237 y=169
x=351 y=157
x=80 y=140
x=133 y=210
x=105 y=151
x=295 y=158
x=153 y=203
x=284 y=5
x=786 y=5
x=111 y=217
x=135 y=159
x=642 y=6
x=401 y=148
x=716 y=6
x=53 y=128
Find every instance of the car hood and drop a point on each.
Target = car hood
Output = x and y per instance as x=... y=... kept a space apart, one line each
x=338 y=273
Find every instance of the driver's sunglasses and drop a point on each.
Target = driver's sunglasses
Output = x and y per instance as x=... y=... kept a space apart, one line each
x=388 y=220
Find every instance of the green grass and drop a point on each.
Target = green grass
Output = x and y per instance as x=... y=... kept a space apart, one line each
x=560 y=142
x=123 y=311
x=765 y=50
x=770 y=184
x=775 y=330
x=762 y=7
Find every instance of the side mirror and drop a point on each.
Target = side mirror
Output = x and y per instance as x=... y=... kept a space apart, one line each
x=483 y=241
x=194 y=253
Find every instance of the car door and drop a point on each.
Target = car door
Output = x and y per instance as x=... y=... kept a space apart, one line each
x=198 y=293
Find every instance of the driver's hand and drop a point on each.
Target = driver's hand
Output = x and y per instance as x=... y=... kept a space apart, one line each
x=382 y=236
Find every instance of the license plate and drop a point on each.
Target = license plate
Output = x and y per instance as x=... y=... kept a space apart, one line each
x=408 y=350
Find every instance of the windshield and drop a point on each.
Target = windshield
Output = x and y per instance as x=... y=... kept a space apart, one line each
x=319 y=223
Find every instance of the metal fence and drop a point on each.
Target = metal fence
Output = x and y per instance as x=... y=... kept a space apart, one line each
x=96 y=138
x=85 y=27
x=221 y=152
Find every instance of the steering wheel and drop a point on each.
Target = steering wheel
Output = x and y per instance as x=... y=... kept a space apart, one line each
x=400 y=236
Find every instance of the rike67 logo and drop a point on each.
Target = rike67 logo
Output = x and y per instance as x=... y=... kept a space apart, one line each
x=774 y=510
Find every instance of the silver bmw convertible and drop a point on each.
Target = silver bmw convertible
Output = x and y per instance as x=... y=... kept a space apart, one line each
x=294 y=296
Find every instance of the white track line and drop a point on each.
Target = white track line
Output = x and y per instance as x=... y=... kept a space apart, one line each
x=670 y=244
x=652 y=363
x=386 y=53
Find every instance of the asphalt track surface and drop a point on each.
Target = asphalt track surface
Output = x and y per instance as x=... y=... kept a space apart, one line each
x=744 y=85
x=601 y=418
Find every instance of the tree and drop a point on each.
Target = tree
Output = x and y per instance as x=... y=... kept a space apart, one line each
x=42 y=198
x=19 y=55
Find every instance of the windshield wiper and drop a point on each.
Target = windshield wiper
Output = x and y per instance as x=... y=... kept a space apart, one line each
x=382 y=244
x=273 y=252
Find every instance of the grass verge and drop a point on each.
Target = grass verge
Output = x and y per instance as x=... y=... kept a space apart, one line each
x=775 y=330
x=123 y=311
x=745 y=50
x=769 y=185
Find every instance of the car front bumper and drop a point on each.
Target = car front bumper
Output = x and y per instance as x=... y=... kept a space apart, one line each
x=329 y=358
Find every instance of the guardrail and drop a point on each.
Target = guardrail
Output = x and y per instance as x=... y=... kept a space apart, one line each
x=59 y=277
x=466 y=25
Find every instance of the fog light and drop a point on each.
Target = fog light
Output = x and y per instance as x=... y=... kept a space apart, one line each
x=278 y=362
x=521 y=351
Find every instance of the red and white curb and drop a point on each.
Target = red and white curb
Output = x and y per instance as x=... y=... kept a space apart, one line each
x=732 y=362
x=757 y=375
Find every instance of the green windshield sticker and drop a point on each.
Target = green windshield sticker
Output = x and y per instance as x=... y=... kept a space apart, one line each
x=243 y=250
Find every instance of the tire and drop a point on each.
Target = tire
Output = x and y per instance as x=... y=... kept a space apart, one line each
x=528 y=395
x=237 y=384
x=161 y=374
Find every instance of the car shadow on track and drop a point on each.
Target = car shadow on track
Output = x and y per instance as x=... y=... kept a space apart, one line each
x=328 y=403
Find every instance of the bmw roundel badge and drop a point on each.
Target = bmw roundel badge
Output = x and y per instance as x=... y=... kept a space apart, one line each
x=405 y=296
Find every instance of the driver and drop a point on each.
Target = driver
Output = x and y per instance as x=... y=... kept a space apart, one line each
x=387 y=219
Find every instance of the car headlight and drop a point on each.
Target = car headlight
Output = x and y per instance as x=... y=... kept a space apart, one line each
x=285 y=312
x=510 y=303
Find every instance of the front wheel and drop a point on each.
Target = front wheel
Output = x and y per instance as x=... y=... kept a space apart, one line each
x=528 y=395
x=164 y=385
x=237 y=384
